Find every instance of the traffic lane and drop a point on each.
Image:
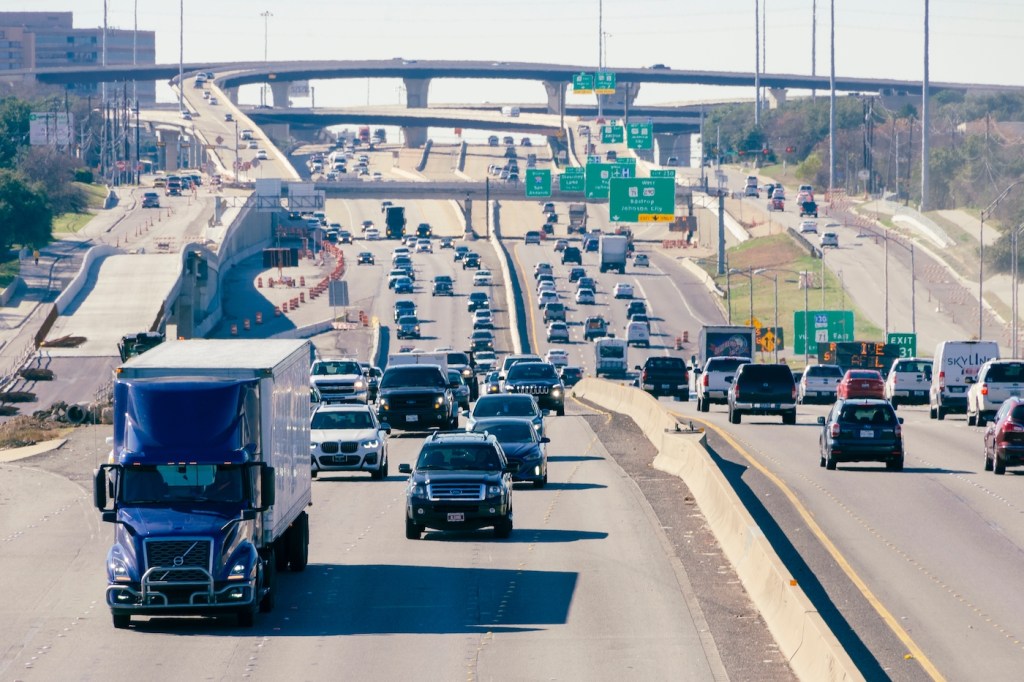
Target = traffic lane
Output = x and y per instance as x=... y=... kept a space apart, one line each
x=466 y=604
x=919 y=538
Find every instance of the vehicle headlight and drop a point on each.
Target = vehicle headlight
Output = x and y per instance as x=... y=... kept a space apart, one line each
x=467 y=372
x=371 y=444
x=119 y=571
x=494 y=490
x=314 y=446
x=383 y=404
x=556 y=392
x=417 y=490
x=238 y=571
x=439 y=401
x=359 y=384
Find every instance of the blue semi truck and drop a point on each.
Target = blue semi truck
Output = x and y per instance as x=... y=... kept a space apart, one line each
x=208 y=479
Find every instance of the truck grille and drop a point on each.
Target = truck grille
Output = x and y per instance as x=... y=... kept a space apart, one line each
x=412 y=402
x=532 y=389
x=456 y=491
x=329 y=447
x=179 y=554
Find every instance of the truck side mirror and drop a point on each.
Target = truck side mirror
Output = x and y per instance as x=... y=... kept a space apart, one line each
x=693 y=360
x=99 y=488
x=268 y=490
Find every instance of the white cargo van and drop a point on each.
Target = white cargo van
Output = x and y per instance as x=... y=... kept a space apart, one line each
x=637 y=334
x=954 y=367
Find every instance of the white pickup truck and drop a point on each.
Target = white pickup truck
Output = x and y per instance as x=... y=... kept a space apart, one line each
x=713 y=380
x=819 y=383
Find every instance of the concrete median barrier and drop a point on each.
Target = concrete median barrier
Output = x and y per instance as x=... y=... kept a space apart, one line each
x=813 y=651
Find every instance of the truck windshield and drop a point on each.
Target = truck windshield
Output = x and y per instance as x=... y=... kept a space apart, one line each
x=531 y=370
x=181 y=483
x=612 y=352
x=421 y=375
x=331 y=367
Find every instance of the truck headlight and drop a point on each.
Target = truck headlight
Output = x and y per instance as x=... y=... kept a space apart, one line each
x=371 y=444
x=119 y=571
x=383 y=403
x=494 y=490
x=556 y=393
x=238 y=571
x=439 y=401
x=360 y=384
x=467 y=372
x=417 y=490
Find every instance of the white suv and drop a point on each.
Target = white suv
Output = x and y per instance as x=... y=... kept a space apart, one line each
x=997 y=380
x=713 y=381
x=908 y=381
x=829 y=239
x=818 y=384
x=348 y=438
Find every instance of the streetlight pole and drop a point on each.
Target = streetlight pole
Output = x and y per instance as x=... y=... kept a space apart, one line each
x=266 y=19
x=1015 y=296
x=181 y=56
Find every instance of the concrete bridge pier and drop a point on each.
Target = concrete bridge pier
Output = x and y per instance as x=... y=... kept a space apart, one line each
x=168 y=142
x=416 y=92
x=232 y=94
x=556 y=95
x=415 y=136
x=279 y=91
x=626 y=92
x=776 y=97
x=672 y=144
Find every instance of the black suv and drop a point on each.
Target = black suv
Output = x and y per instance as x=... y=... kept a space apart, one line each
x=861 y=430
x=443 y=286
x=665 y=376
x=477 y=301
x=763 y=389
x=462 y=481
x=572 y=254
x=540 y=380
x=471 y=260
x=416 y=398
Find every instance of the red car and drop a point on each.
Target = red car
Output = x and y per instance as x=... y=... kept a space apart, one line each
x=861 y=383
x=1004 y=438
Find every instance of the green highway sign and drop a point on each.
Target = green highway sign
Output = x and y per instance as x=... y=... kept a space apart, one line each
x=604 y=83
x=640 y=136
x=572 y=182
x=599 y=175
x=538 y=182
x=906 y=341
x=821 y=326
x=663 y=173
x=593 y=159
x=642 y=200
x=611 y=135
x=626 y=160
x=583 y=83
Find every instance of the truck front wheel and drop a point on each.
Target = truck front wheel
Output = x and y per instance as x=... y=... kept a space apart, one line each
x=298 y=543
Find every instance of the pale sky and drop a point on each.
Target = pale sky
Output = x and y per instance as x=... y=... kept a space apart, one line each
x=971 y=40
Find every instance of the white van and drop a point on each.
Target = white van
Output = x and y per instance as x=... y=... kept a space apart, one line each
x=954 y=367
x=510 y=111
x=637 y=334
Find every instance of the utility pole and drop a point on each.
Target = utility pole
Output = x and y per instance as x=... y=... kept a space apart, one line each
x=757 y=63
x=103 y=50
x=135 y=61
x=266 y=14
x=832 y=99
x=181 y=57
x=814 y=46
x=925 y=121
x=600 y=52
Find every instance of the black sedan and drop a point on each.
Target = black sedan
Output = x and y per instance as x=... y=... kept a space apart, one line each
x=862 y=430
x=520 y=442
x=365 y=258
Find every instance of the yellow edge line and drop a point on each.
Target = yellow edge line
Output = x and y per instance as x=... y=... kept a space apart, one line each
x=876 y=604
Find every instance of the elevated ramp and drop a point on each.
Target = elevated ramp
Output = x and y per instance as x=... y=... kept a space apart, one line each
x=122 y=295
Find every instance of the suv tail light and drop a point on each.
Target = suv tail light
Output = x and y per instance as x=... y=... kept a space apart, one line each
x=643 y=376
x=834 y=430
x=794 y=391
x=984 y=389
x=1008 y=428
x=705 y=380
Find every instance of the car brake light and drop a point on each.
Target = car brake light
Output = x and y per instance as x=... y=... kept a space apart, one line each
x=984 y=389
x=942 y=381
x=1010 y=427
x=705 y=380
x=899 y=430
x=794 y=391
x=833 y=430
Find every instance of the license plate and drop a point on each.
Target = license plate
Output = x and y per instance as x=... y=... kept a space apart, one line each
x=957 y=389
x=665 y=387
x=456 y=517
x=864 y=433
x=412 y=417
x=765 y=406
x=918 y=394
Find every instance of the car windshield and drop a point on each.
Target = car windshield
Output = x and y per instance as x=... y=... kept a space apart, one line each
x=728 y=364
x=334 y=420
x=182 y=483
x=922 y=366
x=864 y=374
x=531 y=370
x=459 y=457
x=323 y=367
x=455 y=377
x=867 y=414
x=413 y=375
x=508 y=432
x=457 y=358
x=506 y=406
